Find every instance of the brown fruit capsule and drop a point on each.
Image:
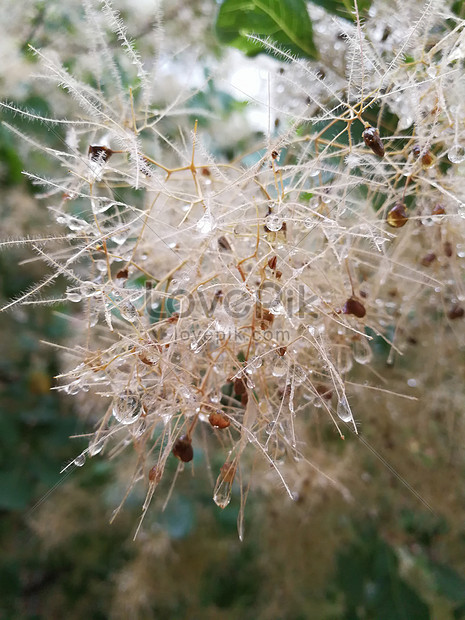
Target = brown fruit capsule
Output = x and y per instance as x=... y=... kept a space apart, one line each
x=182 y=449
x=438 y=210
x=228 y=471
x=355 y=307
x=154 y=474
x=264 y=316
x=427 y=158
x=448 y=250
x=397 y=216
x=272 y=262
x=456 y=312
x=428 y=259
x=244 y=399
x=99 y=153
x=324 y=391
x=224 y=244
x=239 y=386
x=122 y=273
x=373 y=141
x=218 y=420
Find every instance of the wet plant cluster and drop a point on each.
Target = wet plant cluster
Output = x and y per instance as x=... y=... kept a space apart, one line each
x=222 y=303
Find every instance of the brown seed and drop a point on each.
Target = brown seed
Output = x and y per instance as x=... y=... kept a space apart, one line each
x=456 y=312
x=281 y=351
x=428 y=259
x=228 y=471
x=99 y=153
x=265 y=317
x=239 y=386
x=355 y=307
x=438 y=210
x=244 y=399
x=274 y=154
x=278 y=274
x=426 y=159
x=448 y=250
x=397 y=216
x=272 y=262
x=206 y=172
x=154 y=474
x=224 y=244
x=123 y=273
x=182 y=449
x=218 y=420
x=324 y=391
x=373 y=141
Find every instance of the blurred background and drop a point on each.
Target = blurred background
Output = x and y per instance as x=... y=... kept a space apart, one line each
x=372 y=550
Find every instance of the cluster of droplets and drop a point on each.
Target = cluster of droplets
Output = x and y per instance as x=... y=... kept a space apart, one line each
x=244 y=299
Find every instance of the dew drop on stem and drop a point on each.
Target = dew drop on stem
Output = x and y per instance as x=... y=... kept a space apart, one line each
x=343 y=410
x=79 y=460
x=127 y=409
x=456 y=154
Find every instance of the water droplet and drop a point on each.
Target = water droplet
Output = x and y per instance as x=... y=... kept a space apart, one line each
x=73 y=295
x=276 y=307
x=93 y=315
x=126 y=408
x=80 y=460
x=128 y=311
x=456 y=154
x=100 y=205
x=344 y=359
x=362 y=351
x=87 y=290
x=279 y=368
x=222 y=497
x=249 y=382
x=397 y=216
x=101 y=265
x=255 y=363
x=223 y=486
x=215 y=397
x=273 y=222
x=206 y=223
x=298 y=374
x=120 y=237
x=343 y=410
x=96 y=447
x=74 y=387
x=308 y=222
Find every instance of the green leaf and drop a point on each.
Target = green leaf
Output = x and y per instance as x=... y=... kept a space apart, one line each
x=344 y=8
x=449 y=583
x=286 y=23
